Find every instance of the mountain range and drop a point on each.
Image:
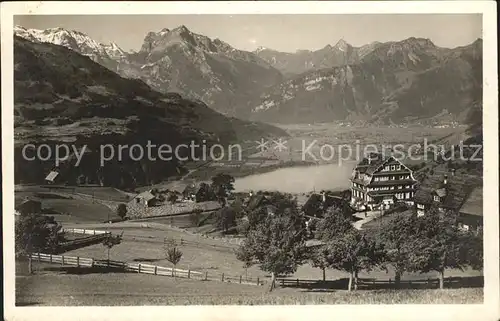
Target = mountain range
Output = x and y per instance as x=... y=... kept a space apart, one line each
x=63 y=97
x=381 y=82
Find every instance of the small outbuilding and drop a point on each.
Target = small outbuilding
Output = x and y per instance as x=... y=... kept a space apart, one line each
x=146 y=198
x=52 y=177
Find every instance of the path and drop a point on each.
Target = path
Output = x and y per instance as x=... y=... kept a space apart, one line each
x=370 y=215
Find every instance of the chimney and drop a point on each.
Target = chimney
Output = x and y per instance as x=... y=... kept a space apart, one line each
x=323 y=197
x=445 y=181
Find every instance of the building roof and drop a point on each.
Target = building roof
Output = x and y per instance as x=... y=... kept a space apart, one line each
x=370 y=167
x=441 y=192
x=256 y=201
x=192 y=188
x=474 y=203
x=147 y=196
x=52 y=176
x=453 y=194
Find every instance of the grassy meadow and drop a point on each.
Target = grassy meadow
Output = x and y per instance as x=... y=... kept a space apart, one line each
x=66 y=289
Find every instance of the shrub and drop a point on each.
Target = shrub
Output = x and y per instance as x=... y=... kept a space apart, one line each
x=121 y=211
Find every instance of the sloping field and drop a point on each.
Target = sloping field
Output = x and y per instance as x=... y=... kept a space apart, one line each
x=211 y=255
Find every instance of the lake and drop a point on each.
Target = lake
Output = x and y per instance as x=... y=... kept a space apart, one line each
x=300 y=179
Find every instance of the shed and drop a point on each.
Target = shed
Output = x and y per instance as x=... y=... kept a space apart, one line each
x=51 y=177
x=146 y=198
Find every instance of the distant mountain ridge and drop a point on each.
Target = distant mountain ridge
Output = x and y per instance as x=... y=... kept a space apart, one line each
x=393 y=82
x=61 y=96
x=396 y=81
x=177 y=60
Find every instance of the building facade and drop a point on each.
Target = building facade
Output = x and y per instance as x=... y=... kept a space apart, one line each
x=379 y=180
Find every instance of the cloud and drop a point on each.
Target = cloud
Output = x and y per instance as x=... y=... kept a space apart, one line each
x=252 y=41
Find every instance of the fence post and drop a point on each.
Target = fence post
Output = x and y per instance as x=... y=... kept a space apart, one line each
x=297 y=282
x=38 y=257
x=156 y=269
x=258 y=283
x=139 y=267
x=240 y=279
x=83 y=231
x=91 y=262
x=283 y=282
x=50 y=258
x=189 y=273
x=77 y=261
x=62 y=259
x=222 y=277
x=206 y=275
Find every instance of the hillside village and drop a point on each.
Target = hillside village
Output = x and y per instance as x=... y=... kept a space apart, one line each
x=383 y=191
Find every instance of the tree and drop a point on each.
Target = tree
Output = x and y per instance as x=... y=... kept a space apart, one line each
x=345 y=247
x=222 y=185
x=319 y=259
x=121 y=211
x=474 y=248
x=36 y=233
x=173 y=255
x=256 y=216
x=398 y=239
x=172 y=198
x=441 y=245
x=238 y=208
x=205 y=193
x=352 y=252
x=111 y=240
x=195 y=217
x=277 y=244
x=333 y=224
x=225 y=218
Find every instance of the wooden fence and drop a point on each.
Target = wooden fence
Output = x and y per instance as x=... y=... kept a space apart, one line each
x=83 y=231
x=63 y=259
x=366 y=283
x=144 y=268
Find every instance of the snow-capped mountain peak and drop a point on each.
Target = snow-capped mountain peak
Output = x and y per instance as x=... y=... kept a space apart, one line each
x=74 y=40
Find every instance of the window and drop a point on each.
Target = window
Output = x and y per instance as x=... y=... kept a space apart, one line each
x=421 y=206
x=393 y=167
x=436 y=198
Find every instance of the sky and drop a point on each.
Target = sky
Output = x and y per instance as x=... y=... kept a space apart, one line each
x=280 y=32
